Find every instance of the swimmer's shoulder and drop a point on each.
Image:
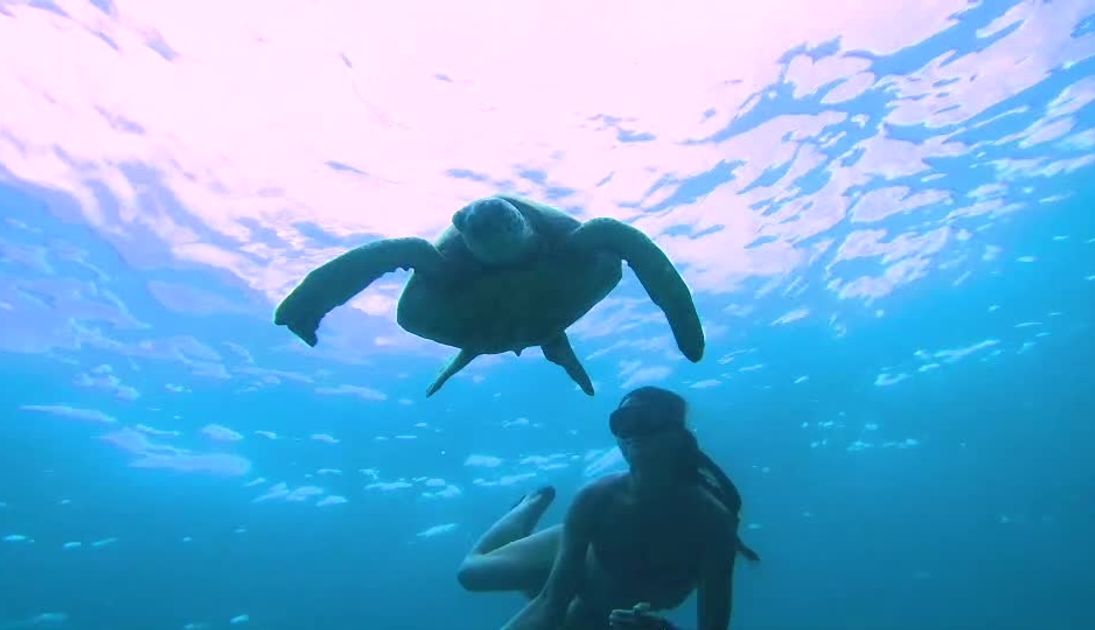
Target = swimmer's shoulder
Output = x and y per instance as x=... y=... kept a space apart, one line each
x=605 y=485
x=593 y=501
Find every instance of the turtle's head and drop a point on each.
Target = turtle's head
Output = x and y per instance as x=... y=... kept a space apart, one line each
x=495 y=231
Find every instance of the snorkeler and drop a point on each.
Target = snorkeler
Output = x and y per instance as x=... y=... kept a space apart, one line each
x=631 y=542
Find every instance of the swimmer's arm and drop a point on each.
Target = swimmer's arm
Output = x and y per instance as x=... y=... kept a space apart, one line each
x=715 y=593
x=548 y=610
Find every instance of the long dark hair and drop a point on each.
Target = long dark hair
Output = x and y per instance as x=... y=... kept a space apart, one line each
x=695 y=465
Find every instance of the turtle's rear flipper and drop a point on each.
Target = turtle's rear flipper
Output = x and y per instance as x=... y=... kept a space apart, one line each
x=459 y=362
x=335 y=282
x=559 y=352
x=656 y=273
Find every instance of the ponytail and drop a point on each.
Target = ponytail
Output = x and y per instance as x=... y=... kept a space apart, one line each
x=714 y=479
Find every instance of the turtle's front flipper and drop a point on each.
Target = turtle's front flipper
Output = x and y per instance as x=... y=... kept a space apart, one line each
x=656 y=273
x=335 y=282
x=559 y=352
x=459 y=362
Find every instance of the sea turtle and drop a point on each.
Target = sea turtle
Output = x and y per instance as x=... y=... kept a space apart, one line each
x=509 y=273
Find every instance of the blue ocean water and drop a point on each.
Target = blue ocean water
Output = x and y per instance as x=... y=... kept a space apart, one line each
x=921 y=459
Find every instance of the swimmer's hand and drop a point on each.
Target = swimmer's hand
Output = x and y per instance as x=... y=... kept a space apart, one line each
x=638 y=617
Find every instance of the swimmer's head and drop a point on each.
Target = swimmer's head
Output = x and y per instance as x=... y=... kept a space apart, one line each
x=649 y=426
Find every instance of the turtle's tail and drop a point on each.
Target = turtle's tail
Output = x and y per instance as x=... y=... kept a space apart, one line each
x=459 y=362
x=749 y=554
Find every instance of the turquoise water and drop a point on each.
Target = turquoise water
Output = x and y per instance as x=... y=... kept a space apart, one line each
x=906 y=407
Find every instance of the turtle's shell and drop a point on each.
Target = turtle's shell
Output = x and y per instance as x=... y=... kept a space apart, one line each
x=492 y=310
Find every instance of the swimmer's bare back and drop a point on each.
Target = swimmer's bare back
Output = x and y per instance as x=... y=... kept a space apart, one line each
x=618 y=550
